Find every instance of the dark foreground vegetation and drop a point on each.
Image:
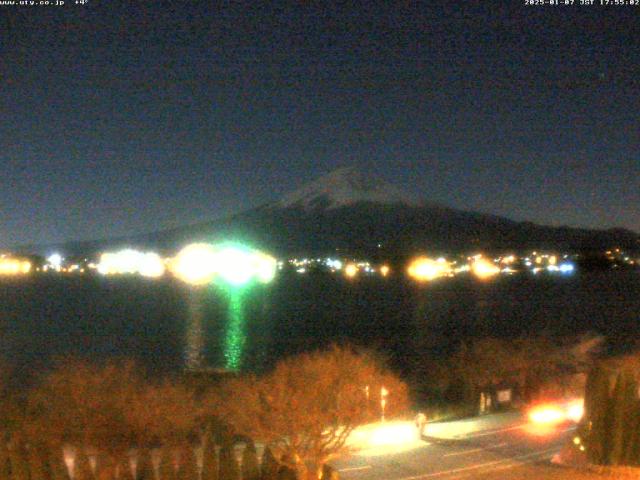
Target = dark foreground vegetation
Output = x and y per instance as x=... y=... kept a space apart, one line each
x=83 y=421
x=611 y=433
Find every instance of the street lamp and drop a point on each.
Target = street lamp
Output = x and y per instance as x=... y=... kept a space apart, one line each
x=383 y=400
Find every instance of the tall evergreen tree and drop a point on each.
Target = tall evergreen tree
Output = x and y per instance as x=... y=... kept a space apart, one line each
x=57 y=468
x=4 y=459
x=167 y=465
x=37 y=462
x=633 y=449
x=228 y=465
x=250 y=467
x=18 y=461
x=144 y=470
x=612 y=428
x=615 y=444
x=631 y=411
x=596 y=412
x=189 y=469
x=269 y=466
x=210 y=463
x=83 y=467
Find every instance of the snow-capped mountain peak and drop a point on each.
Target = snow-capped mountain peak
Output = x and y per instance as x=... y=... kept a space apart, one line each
x=345 y=186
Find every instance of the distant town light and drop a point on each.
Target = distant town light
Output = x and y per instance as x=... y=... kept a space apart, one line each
x=424 y=269
x=335 y=264
x=14 y=266
x=128 y=261
x=234 y=265
x=151 y=265
x=195 y=264
x=508 y=260
x=384 y=270
x=566 y=267
x=55 y=261
x=351 y=270
x=266 y=267
x=483 y=268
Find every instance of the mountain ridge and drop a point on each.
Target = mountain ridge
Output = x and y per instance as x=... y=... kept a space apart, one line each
x=353 y=212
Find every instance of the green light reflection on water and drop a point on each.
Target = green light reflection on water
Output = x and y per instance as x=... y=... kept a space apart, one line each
x=236 y=335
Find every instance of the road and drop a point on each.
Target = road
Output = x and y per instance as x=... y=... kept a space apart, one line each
x=463 y=449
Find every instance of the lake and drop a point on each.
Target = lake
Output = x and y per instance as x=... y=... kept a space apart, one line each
x=44 y=317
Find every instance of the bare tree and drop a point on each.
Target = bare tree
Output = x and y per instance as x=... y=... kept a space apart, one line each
x=85 y=405
x=529 y=362
x=110 y=412
x=308 y=406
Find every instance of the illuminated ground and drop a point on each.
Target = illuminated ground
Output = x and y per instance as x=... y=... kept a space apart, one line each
x=547 y=472
x=495 y=446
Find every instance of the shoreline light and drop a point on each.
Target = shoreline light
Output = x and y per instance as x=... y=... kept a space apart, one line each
x=351 y=270
x=424 y=269
x=14 y=266
x=129 y=261
x=195 y=264
x=201 y=263
x=484 y=269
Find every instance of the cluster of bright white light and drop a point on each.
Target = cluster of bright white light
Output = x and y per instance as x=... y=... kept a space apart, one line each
x=538 y=262
x=54 y=261
x=200 y=263
x=194 y=264
x=334 y=264
x=129 y=261
x=566 y=268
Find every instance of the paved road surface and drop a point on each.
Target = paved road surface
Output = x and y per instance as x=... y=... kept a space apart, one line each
x=494 y=443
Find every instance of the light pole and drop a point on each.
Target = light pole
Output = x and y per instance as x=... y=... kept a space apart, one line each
x=383 y=400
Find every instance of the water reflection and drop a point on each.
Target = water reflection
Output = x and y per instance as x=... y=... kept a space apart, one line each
x=236 y=335
x=195 y=341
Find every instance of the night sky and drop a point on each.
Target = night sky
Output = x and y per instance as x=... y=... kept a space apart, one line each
x=127 y=117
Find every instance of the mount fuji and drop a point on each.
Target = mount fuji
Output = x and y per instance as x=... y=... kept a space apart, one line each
x=344 y=187
x=358 y=213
